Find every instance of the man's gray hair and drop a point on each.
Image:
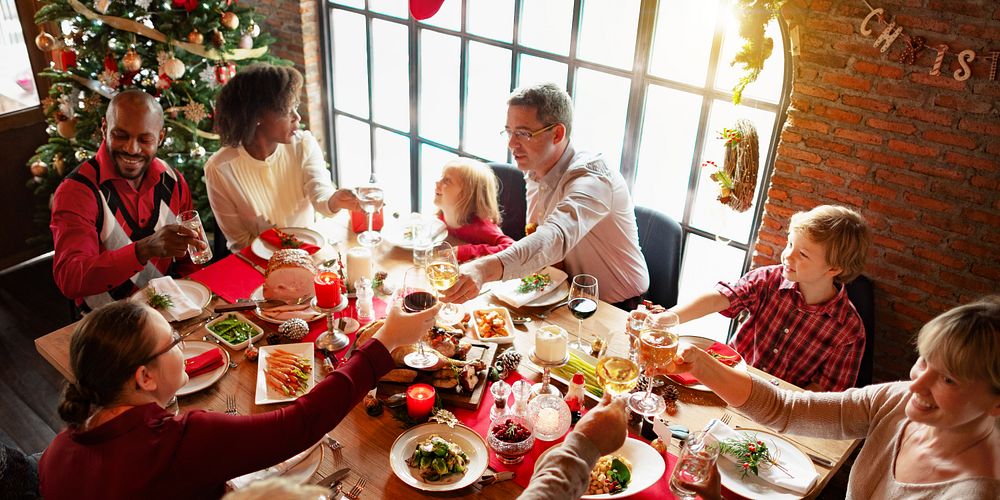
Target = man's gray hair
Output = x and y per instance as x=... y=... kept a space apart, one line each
x=550 y=101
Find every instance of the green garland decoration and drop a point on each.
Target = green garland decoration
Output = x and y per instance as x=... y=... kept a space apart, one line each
x=754 y=17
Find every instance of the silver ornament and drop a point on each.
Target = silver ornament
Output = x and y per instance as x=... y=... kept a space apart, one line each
x=197 y=151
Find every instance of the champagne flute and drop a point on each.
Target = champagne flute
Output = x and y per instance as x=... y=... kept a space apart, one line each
x=442 y=271
x=371 y=198
x=657 y=347
x=416 y=296
x=582 y=302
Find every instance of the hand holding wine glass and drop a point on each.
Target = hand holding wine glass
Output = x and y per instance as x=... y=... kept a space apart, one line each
x=416 y=295
x=657 y=346
x=583 y=300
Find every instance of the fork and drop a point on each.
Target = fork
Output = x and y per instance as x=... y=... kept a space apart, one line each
x=231 y=404
x=357 y=489
x=726 y=418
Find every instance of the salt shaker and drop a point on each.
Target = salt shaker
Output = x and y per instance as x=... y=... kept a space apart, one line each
x=500 y=391
x=364 y=294
x=522 y=392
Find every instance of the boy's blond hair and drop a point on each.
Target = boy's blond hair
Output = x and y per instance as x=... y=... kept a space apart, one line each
x=844 y=234
x=479 y=190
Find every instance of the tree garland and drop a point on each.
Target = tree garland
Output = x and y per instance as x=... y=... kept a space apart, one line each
x=754 y=17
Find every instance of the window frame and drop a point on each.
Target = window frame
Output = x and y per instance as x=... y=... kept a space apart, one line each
x=638 y=76
x=39 y=61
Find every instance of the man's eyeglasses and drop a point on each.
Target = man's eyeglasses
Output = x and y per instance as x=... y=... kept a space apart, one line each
x=175 y=339
x=524 y=135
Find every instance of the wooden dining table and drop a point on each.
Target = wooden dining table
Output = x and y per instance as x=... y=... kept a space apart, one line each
x=366 y=440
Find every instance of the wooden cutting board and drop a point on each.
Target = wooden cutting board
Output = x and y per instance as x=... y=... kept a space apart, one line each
x=485 y=351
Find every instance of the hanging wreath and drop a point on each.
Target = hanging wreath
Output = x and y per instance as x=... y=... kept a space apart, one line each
x=737 y=179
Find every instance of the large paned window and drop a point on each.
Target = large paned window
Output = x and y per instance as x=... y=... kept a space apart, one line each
x=651 y=85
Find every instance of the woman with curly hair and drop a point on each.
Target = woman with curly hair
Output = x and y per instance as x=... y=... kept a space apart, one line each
x=268 y=172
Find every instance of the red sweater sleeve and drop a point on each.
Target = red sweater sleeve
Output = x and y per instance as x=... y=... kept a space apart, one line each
x=80 y=267
x=484 y=237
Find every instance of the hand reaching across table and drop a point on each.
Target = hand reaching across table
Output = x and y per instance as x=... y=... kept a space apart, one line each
x=344 y=199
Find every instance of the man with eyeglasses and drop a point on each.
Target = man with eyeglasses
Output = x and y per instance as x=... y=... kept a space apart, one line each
x=581 y=210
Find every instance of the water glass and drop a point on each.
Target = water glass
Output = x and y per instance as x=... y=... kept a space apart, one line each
x=192 y=221
x=423 y=244
x=694 y=463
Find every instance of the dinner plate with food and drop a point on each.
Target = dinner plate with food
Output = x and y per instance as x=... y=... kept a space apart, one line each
x=540 y=289
x=274 y=239
x=718 y=350
x=194 y=348
x=790 y=470
x=284 y=372
x=436 y=457
x=399 y=232
x=624 y=472
x=278 y=314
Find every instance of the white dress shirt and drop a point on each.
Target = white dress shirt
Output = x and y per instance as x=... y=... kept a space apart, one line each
x=249 y=196
x=586 y=220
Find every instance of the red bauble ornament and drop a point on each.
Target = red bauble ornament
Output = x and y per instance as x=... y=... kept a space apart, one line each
x=188 y=5
x=110 y=63
x=224 y=71
x=230 y=20
x=164 y=82
x=196 y=37
x=68 y=57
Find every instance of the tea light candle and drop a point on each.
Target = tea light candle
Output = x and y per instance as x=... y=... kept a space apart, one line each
x=359 y=265
x=550 y=343
x=548 y=421
x=419 y=401
x=327 y=286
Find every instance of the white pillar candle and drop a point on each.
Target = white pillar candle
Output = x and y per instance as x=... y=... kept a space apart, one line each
x=359 y=265
x=550 y=343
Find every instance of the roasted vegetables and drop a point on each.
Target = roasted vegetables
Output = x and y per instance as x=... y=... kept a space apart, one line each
x=232 y=330
x=437 y=457
x=287 y=373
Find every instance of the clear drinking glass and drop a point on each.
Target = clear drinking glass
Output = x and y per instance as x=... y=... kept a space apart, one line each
x=583 y=300
x=416 y=296
x=442 y=271
x=192 y=221
x=657 y=347
x=422 y=241
x=371 y=198
x=694 y=463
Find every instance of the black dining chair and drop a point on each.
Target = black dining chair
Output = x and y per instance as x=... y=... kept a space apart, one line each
x=660 y=240
x=18 y=473
x=861 y=293
x=513 y=203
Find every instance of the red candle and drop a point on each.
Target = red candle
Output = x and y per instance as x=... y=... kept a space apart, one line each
x=419 y=401
x=327 y=289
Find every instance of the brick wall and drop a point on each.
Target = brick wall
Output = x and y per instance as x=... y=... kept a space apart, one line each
x=295 y=23
x=916 y=154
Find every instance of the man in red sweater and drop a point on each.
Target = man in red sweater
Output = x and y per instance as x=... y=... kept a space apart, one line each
x=112 y=219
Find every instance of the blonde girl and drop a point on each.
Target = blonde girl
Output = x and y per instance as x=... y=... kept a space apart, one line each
x=466 y=196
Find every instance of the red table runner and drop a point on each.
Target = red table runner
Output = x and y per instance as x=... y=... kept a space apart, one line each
x=479 y=420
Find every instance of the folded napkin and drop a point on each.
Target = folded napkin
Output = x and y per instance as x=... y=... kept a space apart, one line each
x=231 y=278
x=359 y=221
x=726 y=356
x=183 y=308
x=203 y=363
x=507 y=290
x=274 y=470
x=800 y=479
x=274 y=237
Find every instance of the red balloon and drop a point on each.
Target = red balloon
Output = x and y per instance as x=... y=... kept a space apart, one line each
x=423 y=9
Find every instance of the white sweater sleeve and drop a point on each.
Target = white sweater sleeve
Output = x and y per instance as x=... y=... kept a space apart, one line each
x=318 y=186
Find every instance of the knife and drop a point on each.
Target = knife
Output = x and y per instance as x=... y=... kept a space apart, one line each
x=332 y=479
x=238 y=306
x=489 y=479
x=253 y=264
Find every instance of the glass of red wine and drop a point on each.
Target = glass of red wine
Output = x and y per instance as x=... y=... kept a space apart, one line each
x=582 y=303
x=417 y=295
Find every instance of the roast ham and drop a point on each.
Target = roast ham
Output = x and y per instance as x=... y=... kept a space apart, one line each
x=289 y=275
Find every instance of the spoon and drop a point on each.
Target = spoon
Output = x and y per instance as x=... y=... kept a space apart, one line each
x=519 y=320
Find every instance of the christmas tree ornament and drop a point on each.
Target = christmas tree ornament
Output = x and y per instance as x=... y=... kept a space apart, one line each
x=217 y=38
x=168 y=142
x=110 y=63
x=173 y=67
x=163 y=81
x=102 y=6
x=39 y=169
x=110 y=79
x=60 y=163
x=230 y=20
x=188 y=5
x=253 y=29
x=246 y=41
x=197 y=151
x=143 y=3
x=67 y=128
x=44 y=41
x=196 y=37
x=225 y=71
x=294 y=329
x=64 y=59
x=195 y=111
x=131 y=61
x=81 y=155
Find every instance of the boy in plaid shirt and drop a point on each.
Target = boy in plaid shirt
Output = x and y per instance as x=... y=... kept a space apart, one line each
x=801 y=328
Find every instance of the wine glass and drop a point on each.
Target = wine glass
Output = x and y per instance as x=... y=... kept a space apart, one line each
x=371 y=198
x=582 y=302
x=657 y=347
x=442 y=271
x=416 y=296
x=617 y=375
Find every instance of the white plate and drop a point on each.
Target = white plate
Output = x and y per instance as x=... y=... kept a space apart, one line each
x=508 y=324
x=471 y=443
x=755 y=487
x=647 y=467
x=197 y=293
x=395 y=231
x=265 y=250
x=192 y=348
x=302 y=471
x=557 y=294
x=704 y=343
x=258 y=294
x=242 y=345
x=266 y=395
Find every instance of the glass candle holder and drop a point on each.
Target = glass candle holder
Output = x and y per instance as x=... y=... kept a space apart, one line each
x=550 y=417
x=419 y=401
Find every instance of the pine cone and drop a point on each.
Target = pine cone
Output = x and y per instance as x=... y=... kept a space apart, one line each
x=670 y=393
x=294 y=329
x=508 y=361
x=372 y=405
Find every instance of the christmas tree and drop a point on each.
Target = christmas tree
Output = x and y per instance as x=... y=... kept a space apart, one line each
x=180 y=51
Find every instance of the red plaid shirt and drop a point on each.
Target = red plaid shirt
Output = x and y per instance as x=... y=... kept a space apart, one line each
x=792 y=340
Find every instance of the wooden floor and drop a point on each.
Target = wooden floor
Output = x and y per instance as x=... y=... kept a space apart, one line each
x=30 y=306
